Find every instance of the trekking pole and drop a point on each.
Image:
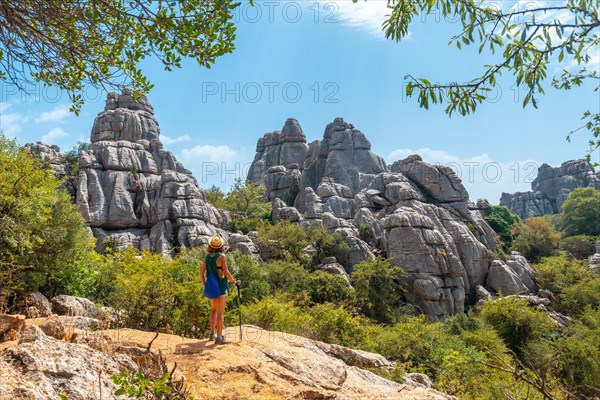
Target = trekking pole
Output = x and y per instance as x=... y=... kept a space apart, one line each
x=239 y=296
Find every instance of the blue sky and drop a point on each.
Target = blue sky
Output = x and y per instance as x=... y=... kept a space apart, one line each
x=315 y=61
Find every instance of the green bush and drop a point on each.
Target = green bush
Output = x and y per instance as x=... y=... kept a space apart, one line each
x=246 y=204
x=412 y=341
x=581 y=212
x=254 y=277
x=42 y=236
x=535 y=239
x=579 y=246
x=379 y=289
x=324 y=287
x=283 y=241
x=560 y=272
x=155 y=292
x=278 y=314
x=516 y=322
x=335 y=324
x=326 y=244
x=502 y=221
x=284 y=276
x=576 y=298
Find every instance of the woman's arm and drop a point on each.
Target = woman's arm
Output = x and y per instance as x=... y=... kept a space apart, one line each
x=203 y=272
x=226 y=272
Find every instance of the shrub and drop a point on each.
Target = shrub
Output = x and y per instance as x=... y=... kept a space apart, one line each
x=379 y=288
x=42 y=236
x=279 y=314
x=579 y=246
x=324 y=287
x=576 y=298
x=560 y=272
x=283 y=241
x=286 y=276
x=325 y=244
x=581 y=212
x=516 y=322
x=502 y=221
x=255 y=279
x=334 y=324
x=246 y=204
x=413 y=341
x=535 y=239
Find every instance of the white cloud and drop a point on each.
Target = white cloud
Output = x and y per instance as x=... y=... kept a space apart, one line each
x=53 y=135
x=209 y=153
x=11 y=123
x=482 y=176
x=179 y=139
x=58 y=114
x=365 y=15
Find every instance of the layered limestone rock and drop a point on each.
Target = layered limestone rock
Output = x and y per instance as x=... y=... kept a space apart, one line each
x=132 y=192
x=551 y=187
x=51 y=155
x=416 y=213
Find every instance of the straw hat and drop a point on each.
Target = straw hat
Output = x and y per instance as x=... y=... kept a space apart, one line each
x=216 y=242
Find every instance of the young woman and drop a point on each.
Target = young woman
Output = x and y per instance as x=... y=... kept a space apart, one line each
x=215 y=263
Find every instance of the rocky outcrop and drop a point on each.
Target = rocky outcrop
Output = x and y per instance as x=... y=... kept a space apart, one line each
x=53 y=158
x=551 y=187
x=132 y=192
x=515 y=276
x=56 y=356
x=73 y=306
x=34 y=305
x=269 y=364
x=416 y=213
x=42 y=367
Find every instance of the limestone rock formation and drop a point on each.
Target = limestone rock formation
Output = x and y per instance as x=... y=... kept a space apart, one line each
x=416 y=213
x=74 y=306
x=133 y=192
x=42 y=367
x=550 y=188
x=51 y=155
x=34 y=305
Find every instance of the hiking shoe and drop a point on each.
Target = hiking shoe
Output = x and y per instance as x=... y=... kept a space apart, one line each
x=212 y=336
x=221 y=340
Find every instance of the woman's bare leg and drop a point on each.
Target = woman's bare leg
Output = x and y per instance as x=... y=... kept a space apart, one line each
x=213 y=314
x=220 y=314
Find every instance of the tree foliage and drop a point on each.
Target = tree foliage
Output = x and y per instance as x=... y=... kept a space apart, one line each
x=101 y=43
x=530 y=38
x=581 y=212
x=379 y=288
x=535 y=239
x=246 y=204
x=42 y=239
x=502 y=221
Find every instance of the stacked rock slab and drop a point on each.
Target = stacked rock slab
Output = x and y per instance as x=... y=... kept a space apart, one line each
x=52 y=156
x=417 y=214
x=551 y=188
x=133 y=192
